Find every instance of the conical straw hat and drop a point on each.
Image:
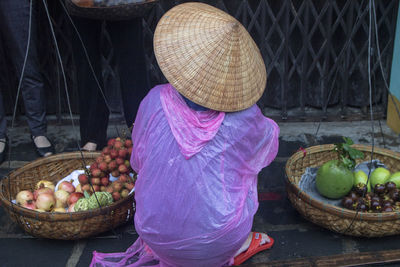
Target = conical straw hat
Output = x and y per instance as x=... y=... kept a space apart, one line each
x=209 y=57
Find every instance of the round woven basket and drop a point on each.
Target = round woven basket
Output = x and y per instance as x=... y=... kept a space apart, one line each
x=54 y=225
x=335 y=218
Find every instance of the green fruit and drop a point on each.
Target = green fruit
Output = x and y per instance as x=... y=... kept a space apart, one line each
x=395 y=178
x=334 y=180
x=104 y=198
x=82 y=204
x=379 y=176
x=360 y=177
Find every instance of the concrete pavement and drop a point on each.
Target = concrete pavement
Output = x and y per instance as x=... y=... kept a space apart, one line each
x=295 y=237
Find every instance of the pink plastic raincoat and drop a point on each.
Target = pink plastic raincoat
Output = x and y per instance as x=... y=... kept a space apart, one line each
x=196 y=192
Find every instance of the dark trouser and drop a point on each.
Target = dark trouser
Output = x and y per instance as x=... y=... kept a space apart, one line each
x=127 y=40
x=14 y=27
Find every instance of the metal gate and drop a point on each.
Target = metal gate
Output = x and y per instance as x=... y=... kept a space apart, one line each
x=316 y=53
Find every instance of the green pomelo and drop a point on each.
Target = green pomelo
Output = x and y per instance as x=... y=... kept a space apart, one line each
x=379 y=176
x=360 y=177
x=334 y=180
x=395 y=178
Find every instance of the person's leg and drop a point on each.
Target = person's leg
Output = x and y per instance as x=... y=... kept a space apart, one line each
x=245 y=246
x=94 y=113
x=127 y=39
x=15 y=21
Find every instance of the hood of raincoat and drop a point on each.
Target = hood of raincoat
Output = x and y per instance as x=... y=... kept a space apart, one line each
x=192 y=129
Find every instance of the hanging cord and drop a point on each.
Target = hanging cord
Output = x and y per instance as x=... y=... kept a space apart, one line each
x=64 y=78
x=371 y=110
x=337 y=69
x=88 y=60
x=327 y=101
x=66 y=89
x=69 y=107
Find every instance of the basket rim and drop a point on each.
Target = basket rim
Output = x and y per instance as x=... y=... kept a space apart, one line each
x=293 y=188
x=56 y=216
x=95 y=8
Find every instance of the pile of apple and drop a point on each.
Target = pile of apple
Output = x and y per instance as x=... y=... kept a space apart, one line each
x=46 y=197
x=113 y=161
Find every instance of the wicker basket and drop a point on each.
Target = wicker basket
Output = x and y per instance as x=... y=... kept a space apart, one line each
x=67 y=226
x=334 y=218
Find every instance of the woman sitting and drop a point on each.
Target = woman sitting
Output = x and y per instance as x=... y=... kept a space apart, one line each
x=199 y=143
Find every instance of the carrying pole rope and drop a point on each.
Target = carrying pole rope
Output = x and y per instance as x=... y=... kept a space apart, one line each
x=88 y=60
x=372 y=14
x=66 y=89
x=341 y=57
x=69 y=104
x=371 y=110
x=64 y=79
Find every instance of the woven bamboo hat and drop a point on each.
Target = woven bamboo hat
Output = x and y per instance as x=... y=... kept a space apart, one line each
x=209 y=57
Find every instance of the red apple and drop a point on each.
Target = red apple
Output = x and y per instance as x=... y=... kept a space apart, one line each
x=66 y=186
x=61 y=198
x=30 y=206
x=114 y=153
x=41 y=191
x=116 y=196
x=107 y=159
x=111 y=142
x=112 y=165
x=109 y=189
x=93 y=166
x=26 y=197
x=122 y=169
x=45 y=201
x=73 y=198
x=71 y=207
x=99 y=159
x=119 y=161
x=123 y=178
x=118 y=144
x=103 y=166
x=122 y=153
x=83 y=179
x=117 y=186
x=129 y=186
x=95 y=181
x=87 y=188
x=106 y=151
x=128 y=143
x=96 y=172
x=105 y=181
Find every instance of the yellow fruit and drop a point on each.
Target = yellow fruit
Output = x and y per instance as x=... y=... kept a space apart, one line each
x=361 y=177
x=78 y=188
x=59 y=210
x=395 y=178
x=45 y=183
x=379 y=176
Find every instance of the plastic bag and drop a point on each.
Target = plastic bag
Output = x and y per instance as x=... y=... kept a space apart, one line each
x=196 y=192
